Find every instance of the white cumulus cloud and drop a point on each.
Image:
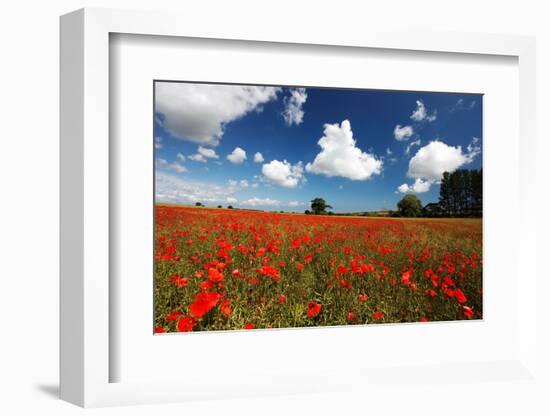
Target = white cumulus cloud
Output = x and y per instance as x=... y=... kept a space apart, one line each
x=460 y=105
x=160 y=163
x=436 y=157
x=341 y=157
x=197 y=158
x=237 y=156
x=261 y=202
x=208 y=153
x=175 y=189
x=418 y=186
x=203 y=154
x=421 y=113
x=410 y=146
x=258 y=157
x=283 y=173
x=177 y=167
x=235 y=186
x=431 y=161
x=293 y=113
x=402 y=133
x=199 y=112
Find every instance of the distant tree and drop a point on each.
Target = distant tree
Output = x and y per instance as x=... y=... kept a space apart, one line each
x=432 y=210
x=198 y=204
x=477 y=191
x=230 y=207
x=307 y=212
x=461 y=193
x=410 y=206
x=219 y=206
x=445 y=192
x=455 y=185
x=319 y=206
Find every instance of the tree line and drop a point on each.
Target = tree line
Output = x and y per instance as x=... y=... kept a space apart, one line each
x=460 y=195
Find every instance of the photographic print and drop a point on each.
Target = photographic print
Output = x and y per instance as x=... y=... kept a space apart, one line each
x=285 y=206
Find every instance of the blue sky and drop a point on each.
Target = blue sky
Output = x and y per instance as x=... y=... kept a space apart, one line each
x=361 y=150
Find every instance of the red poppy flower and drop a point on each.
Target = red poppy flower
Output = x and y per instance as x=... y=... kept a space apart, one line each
x=468 y=312
x=406 y=277
x=460 y=296
x=448 y=281
x=363 y=298
x=186 y=324
x=248 y=326
x=203 y=303
x=423 y=319
x=346 y=284
x=174 y=278
x=450 y=293
x=206 y=285
x=159 y=330
x=313 y=309
x=225 y=307
x=341 y=270
x=300 y=267
x=377 y=315
x=214 y=275
x=282 y=299
x=270 y=271
x=351 y=317
x=182 y=282
x=173 y=316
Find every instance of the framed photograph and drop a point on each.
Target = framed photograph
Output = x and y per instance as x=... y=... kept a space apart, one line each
x=249 y=234
x=291 y=208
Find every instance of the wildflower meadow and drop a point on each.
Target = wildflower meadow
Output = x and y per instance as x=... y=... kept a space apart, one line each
x=226 y=269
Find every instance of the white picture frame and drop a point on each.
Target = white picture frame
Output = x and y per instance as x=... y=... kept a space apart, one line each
x=85 y=355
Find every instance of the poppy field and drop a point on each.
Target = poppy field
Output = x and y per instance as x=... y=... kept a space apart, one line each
x=222 y=269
